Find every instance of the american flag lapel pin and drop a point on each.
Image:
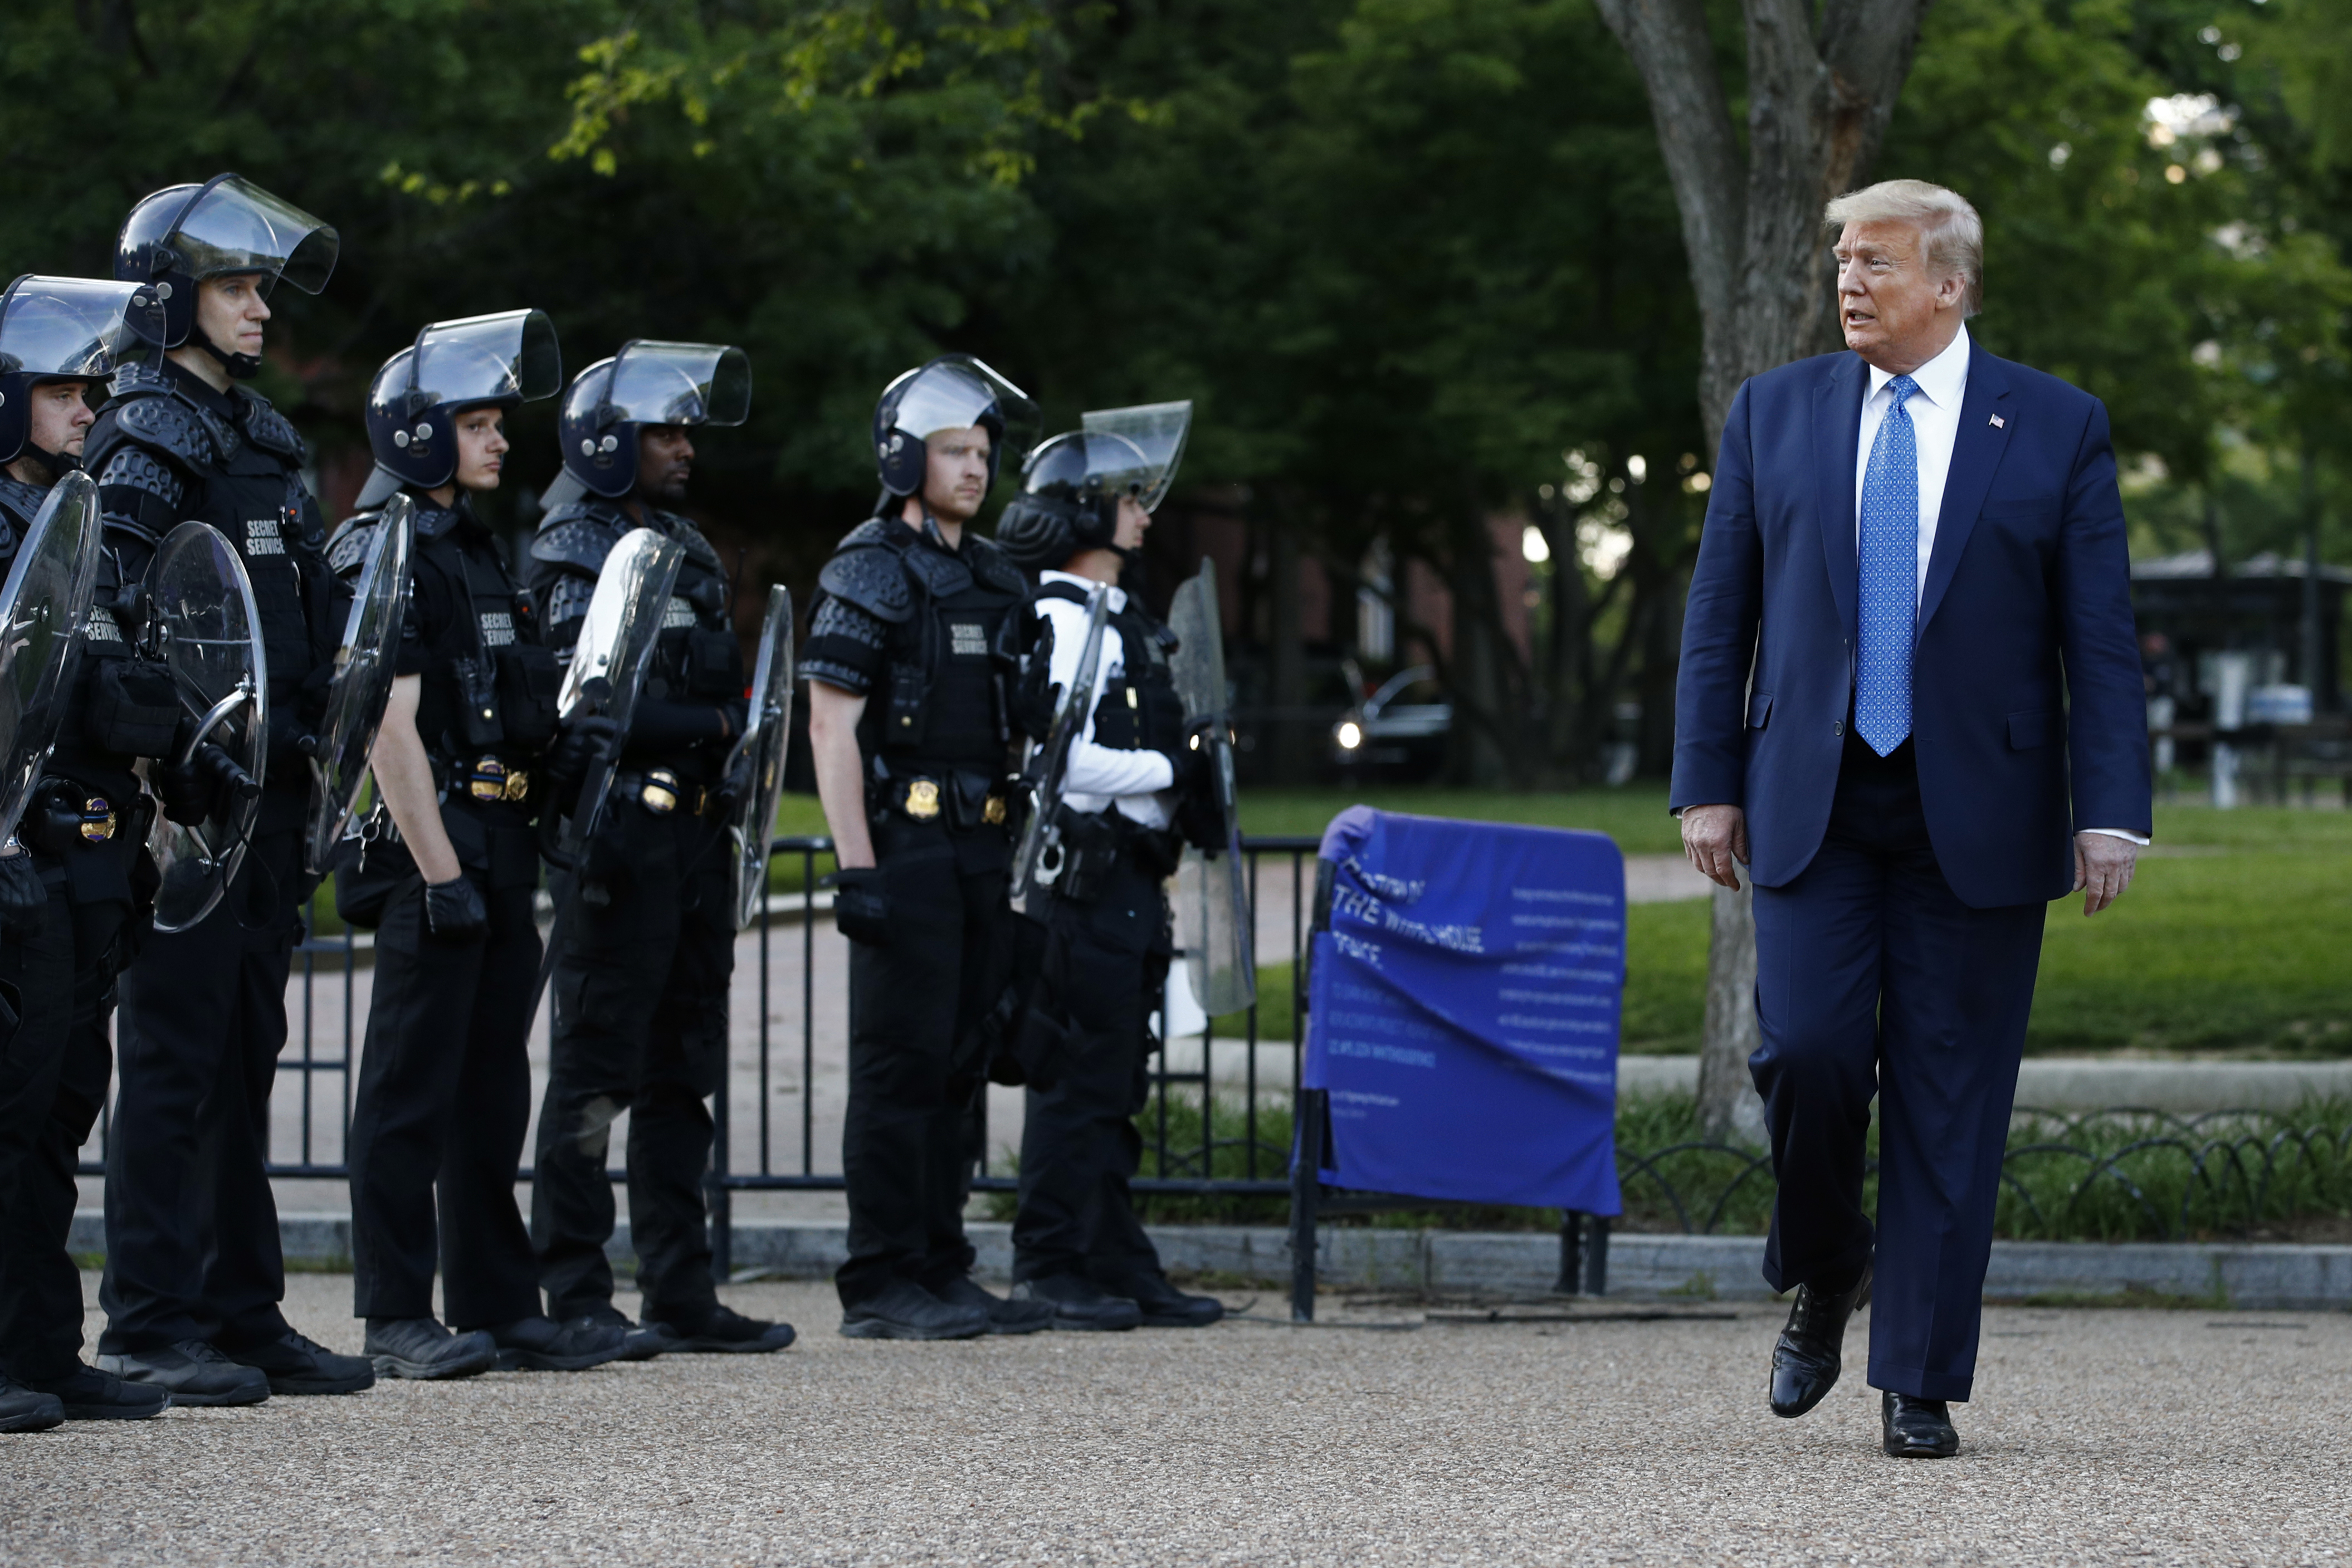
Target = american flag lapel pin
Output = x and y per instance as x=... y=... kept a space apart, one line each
x=1998 y=422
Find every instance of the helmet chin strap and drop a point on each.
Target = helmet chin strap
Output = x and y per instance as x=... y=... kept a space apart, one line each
x=240 y=367
x=56 y=465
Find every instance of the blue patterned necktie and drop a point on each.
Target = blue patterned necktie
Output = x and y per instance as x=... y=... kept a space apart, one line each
x=1890 y=577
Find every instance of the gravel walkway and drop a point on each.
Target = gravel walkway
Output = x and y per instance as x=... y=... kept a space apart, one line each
x=2115 y=1437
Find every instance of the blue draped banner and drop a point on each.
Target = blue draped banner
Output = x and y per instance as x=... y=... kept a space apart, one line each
x=1464 y=1010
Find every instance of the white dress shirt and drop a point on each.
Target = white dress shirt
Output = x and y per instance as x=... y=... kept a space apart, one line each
x=1099 y=776
x=1935 y=411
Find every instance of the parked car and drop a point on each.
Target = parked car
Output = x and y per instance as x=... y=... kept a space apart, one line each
x=1401 y=730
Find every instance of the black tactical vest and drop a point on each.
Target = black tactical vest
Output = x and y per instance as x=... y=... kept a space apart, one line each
x=1140 y=710
x=942 y=704
x=241 y=472
x=490 y=689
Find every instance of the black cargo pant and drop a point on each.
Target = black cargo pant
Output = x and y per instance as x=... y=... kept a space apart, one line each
x=917 y=1056
x=191 y=1224
x=1106 y=966
x=443 y=1101
x=645 y=948
x=62 y=967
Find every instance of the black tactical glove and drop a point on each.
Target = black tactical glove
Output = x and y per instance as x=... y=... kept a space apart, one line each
x=454 y=910
x=568 y=759
x=1198 y=816
x=861 y=904
x=1035 y=694
x=202 y=786
x=23 y=894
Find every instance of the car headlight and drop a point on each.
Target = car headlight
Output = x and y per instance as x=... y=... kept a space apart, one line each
x=1350 y=734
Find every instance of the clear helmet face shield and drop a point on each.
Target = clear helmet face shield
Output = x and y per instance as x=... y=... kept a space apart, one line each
x=677 y=383
x=232 y=225
x=511 y=357
x=957 y=391
x=1153 y=432
x=75 y=326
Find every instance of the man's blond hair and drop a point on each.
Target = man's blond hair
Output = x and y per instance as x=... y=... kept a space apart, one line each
x=1953 y=231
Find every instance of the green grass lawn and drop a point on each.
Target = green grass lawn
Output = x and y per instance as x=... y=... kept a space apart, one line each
x=2243 y=945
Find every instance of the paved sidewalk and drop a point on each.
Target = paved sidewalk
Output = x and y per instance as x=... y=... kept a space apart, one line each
x=2117 y=1436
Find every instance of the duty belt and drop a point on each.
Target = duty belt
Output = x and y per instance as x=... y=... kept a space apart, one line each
x=661 y=791
x=487 y=779
x=923 y=799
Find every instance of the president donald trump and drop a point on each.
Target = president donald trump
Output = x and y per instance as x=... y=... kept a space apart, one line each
x=1910 y=704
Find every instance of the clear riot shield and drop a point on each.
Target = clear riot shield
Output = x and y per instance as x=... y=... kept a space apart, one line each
x=1212 y=912
x=608 y=663
x=208 y=633
x=755 y=769
x=1037 y=859
x=362 y=683
x=42 y=607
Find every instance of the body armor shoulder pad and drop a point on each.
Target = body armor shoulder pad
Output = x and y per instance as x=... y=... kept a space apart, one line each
x=871 y=575
x=886 y=532
x=577 y=537
x=19 y=504
x=992 y=567
x=941 y=575
x=167 y=424
x=432 y=522
x=268 y=429
x=699 y=549
x=347 y=550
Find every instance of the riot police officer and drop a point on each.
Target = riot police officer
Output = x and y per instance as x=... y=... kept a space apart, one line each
x=468 y=753
x=1133 y=768
x=910 y=729
x=194 y=1273
x=77 y=889
x=644 y=937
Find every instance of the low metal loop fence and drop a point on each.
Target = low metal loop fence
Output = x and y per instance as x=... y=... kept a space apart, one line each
x=1218 y=1122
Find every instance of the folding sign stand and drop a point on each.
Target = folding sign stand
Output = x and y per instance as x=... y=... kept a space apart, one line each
x=1470 y=1025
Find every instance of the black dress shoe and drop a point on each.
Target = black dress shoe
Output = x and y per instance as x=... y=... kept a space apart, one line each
x=1808 y=1355
x=1914 y=1428
x=1079 y=1305
x=24 y=1409
x=1004 y=1316
x=904 y=1309
x=542 y=1344
x=89 y=1394
x=719 y=1330
x=421 y=1348
x=1163 y=1304
x=298 y=1366
x=193 y=1372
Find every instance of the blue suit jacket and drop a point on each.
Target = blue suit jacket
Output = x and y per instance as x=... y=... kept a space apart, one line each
x=2026 y=682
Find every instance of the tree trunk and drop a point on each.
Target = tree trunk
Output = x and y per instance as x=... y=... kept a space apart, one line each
x=1818 y=99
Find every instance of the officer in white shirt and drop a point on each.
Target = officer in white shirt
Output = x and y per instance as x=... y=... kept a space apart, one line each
x=1130 y=777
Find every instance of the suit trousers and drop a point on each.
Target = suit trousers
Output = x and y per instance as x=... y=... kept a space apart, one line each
x=1079 y=1146
x=1873 y=978
x=443 y=1101
x=191 y=1225
x=918 y=1054
x=645 y=950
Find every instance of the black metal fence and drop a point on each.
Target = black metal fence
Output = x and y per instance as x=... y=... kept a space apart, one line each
x=1220 y=1126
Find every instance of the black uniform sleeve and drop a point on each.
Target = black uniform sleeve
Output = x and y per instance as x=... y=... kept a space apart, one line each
x=846 y=647
x=431 y=622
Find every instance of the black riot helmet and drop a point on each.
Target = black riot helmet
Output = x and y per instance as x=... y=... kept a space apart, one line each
x=507 y=359
x=647 y=383
x=955 y=392
x=1072 y=485
x=65 y=330
x=182 y=234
